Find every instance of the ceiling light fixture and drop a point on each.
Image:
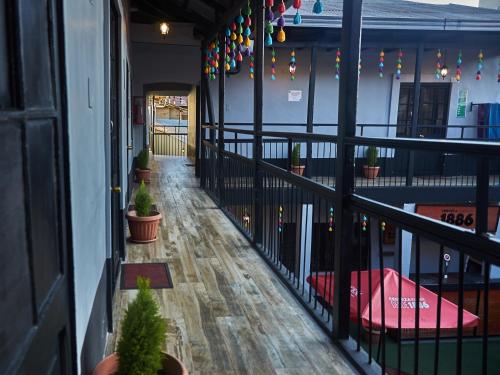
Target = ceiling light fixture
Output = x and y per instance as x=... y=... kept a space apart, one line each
x=164 y=29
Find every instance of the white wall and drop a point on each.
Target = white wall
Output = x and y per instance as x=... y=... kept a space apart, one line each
x=374 y=93
x=86 y=28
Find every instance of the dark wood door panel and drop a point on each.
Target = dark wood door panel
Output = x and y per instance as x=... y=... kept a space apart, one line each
x=37 y=70
x=16 y=310
x=36 y=287
x=42 y=178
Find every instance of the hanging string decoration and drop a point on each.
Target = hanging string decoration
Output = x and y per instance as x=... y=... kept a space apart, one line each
x=239 y=30
x=280 y=219
x=251 y=66
x=248 y=31
x=439 y=64
x=458 y=72
x=338 y=58
x=381 y=58
x=227 y=65
x=480 y=61
x=232 y=46
x=292 y=65
x=330 y=220
x=297 y=19
x=382 y=226
x=318 y=7
x=498 y=75
x=359 y=66
x=269 y=30
x=281 y=37
x=364 y=222
x=207 y=68
x=211 y=60
x=273 y=64
x=399 y=64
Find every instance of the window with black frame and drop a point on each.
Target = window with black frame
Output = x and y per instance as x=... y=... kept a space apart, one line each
x=433 y=112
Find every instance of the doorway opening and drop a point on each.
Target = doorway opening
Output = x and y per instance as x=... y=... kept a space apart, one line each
x=169 y=130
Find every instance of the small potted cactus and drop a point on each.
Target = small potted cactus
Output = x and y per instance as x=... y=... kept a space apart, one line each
x=296 y=167
x=142 y=172
x=371 y=169
x=140 y=345
x=143 y=220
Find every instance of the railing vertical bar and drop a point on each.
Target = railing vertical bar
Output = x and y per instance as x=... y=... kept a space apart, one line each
x=382 y=290
x=417 y=307
x=486 y=293
x=460 y=319
x=438 y=313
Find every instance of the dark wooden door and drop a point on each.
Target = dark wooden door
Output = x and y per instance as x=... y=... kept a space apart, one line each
x=432 y=123
x=36 y=288
x=116 y=217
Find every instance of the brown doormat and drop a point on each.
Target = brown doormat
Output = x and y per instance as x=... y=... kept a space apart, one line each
x=157 y=273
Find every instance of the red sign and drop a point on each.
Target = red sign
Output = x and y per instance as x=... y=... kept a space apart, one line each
x=462 y=216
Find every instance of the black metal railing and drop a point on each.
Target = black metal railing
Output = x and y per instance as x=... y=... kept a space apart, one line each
x=421 y=299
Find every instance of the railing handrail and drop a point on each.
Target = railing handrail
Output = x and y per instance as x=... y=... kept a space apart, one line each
x=370 y=125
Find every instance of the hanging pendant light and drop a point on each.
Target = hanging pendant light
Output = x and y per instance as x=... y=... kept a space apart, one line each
x=164 y=28
x=444 y=71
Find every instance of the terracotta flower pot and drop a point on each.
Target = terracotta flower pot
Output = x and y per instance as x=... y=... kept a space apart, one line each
x=370 y=172
x=143 y=229
x=143 y=175
x=298 y=169
x=171 y=366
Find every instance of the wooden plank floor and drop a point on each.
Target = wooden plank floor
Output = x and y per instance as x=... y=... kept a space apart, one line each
x=227 y=313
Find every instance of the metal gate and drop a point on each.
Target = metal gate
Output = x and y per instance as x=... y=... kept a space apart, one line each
x=169 y=140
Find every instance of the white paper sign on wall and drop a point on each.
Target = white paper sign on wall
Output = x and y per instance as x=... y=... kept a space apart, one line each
x=294 y=95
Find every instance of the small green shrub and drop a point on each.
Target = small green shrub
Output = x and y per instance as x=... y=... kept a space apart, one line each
x=143 y=201
x=143 y=334
x=372 y=156
x=296 y=155
x=143 y=159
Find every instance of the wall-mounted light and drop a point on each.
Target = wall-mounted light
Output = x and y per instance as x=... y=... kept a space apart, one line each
x=444 y=71
x=164 y=29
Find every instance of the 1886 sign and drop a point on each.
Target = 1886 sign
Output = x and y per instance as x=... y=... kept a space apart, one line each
x=462 y=216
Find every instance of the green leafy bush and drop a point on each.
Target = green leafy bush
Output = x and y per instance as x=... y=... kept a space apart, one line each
x=143 y=334
x=296 y=155
x=372 y=156
x=143 y=159
x=143 y=201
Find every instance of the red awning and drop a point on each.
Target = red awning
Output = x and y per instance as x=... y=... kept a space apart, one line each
x=428 y=302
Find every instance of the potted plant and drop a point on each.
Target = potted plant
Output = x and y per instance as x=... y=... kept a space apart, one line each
x=371 y=170
x=143 y=220
x=296 y=167
x=140 y=345
x=142 y=172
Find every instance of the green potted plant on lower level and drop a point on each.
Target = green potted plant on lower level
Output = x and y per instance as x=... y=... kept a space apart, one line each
x=297 y=168
x=143 y=172
x=371 y=169
x=143 y=220
x=142 y=338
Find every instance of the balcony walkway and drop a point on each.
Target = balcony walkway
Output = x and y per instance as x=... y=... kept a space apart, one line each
x=227 y=313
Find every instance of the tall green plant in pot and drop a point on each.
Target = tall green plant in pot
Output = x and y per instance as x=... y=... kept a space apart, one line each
x=295 y=160
x=143 y=172
x=371 y=169
x=142 y=338
x=143 y=334
x=143 y=220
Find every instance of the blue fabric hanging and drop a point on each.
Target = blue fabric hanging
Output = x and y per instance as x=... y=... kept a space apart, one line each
x=494 y=119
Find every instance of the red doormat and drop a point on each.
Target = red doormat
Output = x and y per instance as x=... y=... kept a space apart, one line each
x=157 y=273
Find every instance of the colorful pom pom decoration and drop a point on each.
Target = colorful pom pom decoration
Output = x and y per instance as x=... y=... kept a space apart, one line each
x=281 y=37
x=498 y=75
x=338 y=59
x=364 y=222
x=273 y=64
x=268 y=39
x=251 y=66
x=292 y=65
x=399 y=64
x=480 y=61
x=439 y=64
x=381 y=58
x=458 y=71
x=297 y=19
x=280 y=219
x=318 y=7
x=330 y=220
